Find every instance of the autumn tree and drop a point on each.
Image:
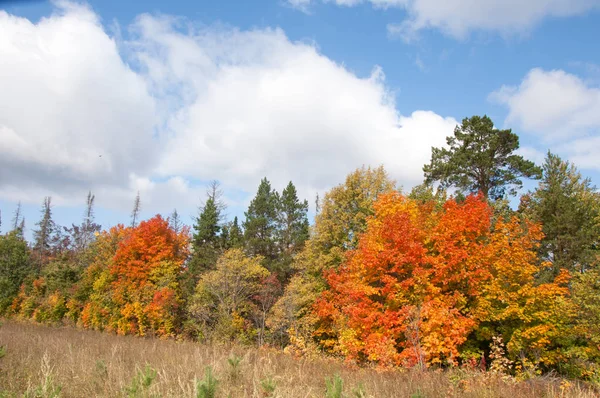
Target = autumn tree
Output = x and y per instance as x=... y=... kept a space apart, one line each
x=413 y=266
x=142 y=293
x=568 y=207
x=343 y=215
x=91 y=304
x=480 y=157
x=223 y=299
x=531 y=317
x=584 y=352
x=422 y=281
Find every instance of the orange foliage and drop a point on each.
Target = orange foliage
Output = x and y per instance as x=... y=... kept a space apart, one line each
x=144 y=277
x=421 y=281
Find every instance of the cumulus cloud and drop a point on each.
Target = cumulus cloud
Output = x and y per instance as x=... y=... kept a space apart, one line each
x=457 y=18
x=264 y=105
x=71 y=111
x=171 y=107
x=558 y=107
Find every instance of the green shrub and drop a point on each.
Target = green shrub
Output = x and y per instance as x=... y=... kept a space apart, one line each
x=334 y=387
x=207 y=387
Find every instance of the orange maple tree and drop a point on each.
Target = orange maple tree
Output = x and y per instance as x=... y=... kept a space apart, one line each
x=422 y=280
x=137 y=291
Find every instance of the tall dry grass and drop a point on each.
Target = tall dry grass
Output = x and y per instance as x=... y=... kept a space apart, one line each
x=46 y=361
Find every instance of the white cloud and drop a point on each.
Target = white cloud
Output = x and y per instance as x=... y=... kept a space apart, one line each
x=72 y=114
x=552 y=104
x=215 y=103
x=457 y=18
x=265 y=106
x=561 y=109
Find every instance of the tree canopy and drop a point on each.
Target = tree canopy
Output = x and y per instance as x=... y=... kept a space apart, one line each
x=480 y=157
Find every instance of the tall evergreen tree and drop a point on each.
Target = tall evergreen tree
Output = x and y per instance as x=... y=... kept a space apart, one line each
x=480 y=158
x=84 y=234
x=206 y=239
x=293 y=226
x=43 y=235
x=175 y=221
x=233 y=234
x=16 y=221
x=260 y=226
x=568 y=207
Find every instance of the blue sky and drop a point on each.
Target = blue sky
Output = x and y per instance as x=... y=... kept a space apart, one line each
x=173 y=94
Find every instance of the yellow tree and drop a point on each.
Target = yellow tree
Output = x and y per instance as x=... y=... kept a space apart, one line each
x=223 y=299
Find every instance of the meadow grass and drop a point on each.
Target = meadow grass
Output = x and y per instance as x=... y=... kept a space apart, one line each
x=43 y=361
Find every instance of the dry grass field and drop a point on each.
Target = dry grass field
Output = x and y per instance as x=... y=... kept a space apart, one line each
x=41 y=361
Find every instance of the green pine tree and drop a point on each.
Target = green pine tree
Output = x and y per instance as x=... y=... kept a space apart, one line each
x=260 y=226
x=292 y=227
x=480 y=158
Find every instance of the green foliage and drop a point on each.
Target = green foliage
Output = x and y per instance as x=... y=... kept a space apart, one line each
x=45 y=236
x=293 y=227
x=343 y=216
x=141 y=382
x=480 y=158
x=260 y=226
x=234 y=366
x=418 y=394
x=206 y=242
x=341 y=220
x=268 y=385
x=207 y=387
x=568 y=207
x=232 y=235
x=222 y=301
x=15 y=265
x=2 y=351
x=334 y=387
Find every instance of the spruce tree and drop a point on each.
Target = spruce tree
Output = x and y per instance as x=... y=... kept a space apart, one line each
x=233 y=235
x=206 y=239
x=16 y=221
x=260 y=226
x=568 y=207
x=43 y=235
x=175 y=221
